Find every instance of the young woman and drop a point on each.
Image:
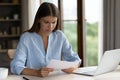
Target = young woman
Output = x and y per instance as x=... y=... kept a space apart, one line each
x=42 y=43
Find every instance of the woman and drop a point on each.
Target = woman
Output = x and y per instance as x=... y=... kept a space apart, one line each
x=42 y=43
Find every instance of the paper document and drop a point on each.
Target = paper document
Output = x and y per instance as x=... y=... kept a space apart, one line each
x=57 y=64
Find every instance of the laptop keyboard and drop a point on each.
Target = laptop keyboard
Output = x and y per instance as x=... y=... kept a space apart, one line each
x=87 y=71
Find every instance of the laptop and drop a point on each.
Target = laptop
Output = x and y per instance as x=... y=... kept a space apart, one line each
x=108 y=63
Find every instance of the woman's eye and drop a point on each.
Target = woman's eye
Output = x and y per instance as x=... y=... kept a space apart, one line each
x=46 y=22
x=54 y=22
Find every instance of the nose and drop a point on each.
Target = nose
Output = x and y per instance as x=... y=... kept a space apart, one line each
x=50 y=25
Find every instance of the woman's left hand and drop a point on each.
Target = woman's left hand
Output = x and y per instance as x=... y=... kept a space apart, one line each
x=69 y=70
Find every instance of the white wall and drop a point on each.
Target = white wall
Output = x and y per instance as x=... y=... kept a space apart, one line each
x=32 y=8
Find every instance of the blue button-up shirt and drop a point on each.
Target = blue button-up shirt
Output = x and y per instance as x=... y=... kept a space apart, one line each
x=30 y=52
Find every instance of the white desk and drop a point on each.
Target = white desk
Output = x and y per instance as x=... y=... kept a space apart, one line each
x=59 y=75
x=56 y=75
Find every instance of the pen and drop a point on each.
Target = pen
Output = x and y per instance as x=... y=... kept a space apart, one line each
x=25 y=78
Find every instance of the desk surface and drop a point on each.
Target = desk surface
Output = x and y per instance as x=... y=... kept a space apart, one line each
x=59 y=75
x=53 y=76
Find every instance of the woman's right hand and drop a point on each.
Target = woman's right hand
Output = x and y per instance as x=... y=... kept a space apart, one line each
x=44 y=71
x=34 y=72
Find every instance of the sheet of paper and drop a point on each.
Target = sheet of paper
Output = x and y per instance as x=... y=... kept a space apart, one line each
x=57 y=64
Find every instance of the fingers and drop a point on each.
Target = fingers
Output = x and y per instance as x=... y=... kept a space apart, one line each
x=45 y=71
x=69 y=70
x=48 y=69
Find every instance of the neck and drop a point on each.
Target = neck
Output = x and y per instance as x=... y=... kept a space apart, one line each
x=44 y=36
x=45 y=40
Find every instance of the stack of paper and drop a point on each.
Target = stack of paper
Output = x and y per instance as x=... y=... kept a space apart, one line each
x=57 y=64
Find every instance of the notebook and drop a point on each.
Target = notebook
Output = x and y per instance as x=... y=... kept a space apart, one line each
x=108 y=63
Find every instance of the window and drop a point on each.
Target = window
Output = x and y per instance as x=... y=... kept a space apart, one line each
x=69 y=20
x=76 y=29
x=69 y=23
x=92 y=16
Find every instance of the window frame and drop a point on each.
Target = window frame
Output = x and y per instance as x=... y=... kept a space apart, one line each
x=80 y=27
x=81 y=31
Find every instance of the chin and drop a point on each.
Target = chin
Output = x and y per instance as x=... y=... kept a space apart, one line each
x=48 y=34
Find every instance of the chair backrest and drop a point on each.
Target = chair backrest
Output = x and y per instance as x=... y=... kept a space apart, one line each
x=11 y=53
x=4 y=59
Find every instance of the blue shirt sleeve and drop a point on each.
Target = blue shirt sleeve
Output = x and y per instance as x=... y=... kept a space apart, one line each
x=17 y=64
x=67 y=51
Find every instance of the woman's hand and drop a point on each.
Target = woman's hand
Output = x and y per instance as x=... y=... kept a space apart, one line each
x=34 y=72
x=44 y=71
x=70 y=70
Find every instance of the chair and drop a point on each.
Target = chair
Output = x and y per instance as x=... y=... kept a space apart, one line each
x=11 y=53
x=6 y=56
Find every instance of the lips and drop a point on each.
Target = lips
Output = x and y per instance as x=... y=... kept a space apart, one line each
x=49 y=30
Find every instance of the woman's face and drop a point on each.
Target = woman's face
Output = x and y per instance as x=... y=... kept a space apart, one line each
x=47 y=24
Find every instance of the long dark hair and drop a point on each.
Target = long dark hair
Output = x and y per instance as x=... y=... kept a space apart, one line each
x=45 y=9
